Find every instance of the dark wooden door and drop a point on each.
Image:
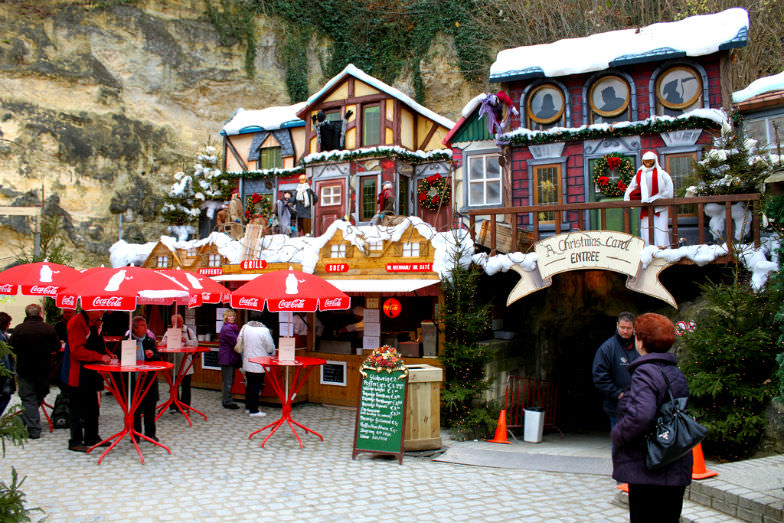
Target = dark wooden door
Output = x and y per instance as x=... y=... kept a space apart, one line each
x=331 y=205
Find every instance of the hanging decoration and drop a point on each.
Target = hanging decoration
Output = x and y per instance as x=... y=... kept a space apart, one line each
x=257 y=206
x=433 y=192
x=392 y=308
x=612 y=174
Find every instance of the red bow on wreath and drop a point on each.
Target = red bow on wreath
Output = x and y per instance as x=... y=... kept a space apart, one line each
x=613 y=162
x=603 y=180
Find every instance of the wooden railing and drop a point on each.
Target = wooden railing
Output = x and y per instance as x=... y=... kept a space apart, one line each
x=533 y=229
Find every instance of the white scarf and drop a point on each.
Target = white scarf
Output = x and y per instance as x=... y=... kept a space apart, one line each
x=303 y=194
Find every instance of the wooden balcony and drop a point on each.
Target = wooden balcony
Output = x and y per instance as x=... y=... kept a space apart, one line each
x=531 y=233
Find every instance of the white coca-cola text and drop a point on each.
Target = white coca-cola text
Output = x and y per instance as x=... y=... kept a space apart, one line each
x=333 y=302
x=49 y=289
x=291 y=304
x=6 y=288
x=248 y=302
x=113 y=301
x=68 y=300
x=194 y=299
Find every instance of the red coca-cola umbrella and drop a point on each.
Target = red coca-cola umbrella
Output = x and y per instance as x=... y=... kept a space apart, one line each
x=289 y=291
x=122 y=289
x=203 y=289
x=36 y=279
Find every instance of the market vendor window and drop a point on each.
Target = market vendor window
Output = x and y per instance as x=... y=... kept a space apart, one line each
x=337 y=251
x=375 y=247
x=269 y=158
x=371 y=125
x=484 y=180
x=214 y=260
x=547 y=189
x=367 y=205
x=191 y=252
x=683 y=171
x=330 y=195
x=678 y=90
x=609 y=100
x=163 y=261
x=411 y=249
x=545 y=106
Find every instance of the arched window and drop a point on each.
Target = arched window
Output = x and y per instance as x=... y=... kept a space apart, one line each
x=678 y=90
x=610 y=100
x=545 y=107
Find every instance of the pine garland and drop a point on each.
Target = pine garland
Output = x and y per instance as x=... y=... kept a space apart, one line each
x=264 y=174
x=382 y=151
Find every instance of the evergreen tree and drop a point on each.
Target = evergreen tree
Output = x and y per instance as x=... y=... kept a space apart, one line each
x=466 y=321
x=729 y=362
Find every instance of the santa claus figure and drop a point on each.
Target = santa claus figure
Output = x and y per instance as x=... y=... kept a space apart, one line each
x=649 y=184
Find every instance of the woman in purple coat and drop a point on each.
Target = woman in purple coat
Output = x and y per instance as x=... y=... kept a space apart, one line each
x=654 y=495
x=227 y=358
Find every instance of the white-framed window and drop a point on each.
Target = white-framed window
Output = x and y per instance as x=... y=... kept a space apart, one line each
x=411 y=249
x=767 y=130
x=214 y=260
x=192 y=251
x=337 y=251
x=484 y=180
x=547 y=189
x=682 y=169
x=162 y=261
x=375 y=245
x=330 y=195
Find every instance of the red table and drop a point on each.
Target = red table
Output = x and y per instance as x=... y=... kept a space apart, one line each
x=174 y=384
x=129 y=407
x=271 y=366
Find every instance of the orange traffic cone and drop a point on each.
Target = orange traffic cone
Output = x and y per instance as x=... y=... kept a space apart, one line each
x=623 y=486
x=500 y=430
x=698 y=470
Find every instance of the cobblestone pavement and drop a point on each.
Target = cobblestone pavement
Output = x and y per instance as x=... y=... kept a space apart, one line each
x=216 y=474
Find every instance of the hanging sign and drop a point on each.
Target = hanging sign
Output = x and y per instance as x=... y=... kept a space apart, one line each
x=247 y=265
x=392 y=308
x=409 y=267
x=210 y=271
x=336 y=267
x=608 y=250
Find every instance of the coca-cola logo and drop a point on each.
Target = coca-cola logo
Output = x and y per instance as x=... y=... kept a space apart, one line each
x=68 y=300
x=194 y=299
x=48 y=290
x=333 y=302
x=6 y=288
x=113 y=301
x=248 y=302
x=291 y=304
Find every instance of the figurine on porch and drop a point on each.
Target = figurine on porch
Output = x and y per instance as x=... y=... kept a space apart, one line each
x=236 y=214
x=331 y=133
x=386 y=203
x=649 y=184
x=306 y=199
x=286 y=212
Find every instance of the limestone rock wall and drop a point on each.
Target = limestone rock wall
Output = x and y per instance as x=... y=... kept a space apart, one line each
x=103 y=103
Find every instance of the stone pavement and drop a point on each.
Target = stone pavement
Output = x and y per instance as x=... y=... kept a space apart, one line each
x=216 y=474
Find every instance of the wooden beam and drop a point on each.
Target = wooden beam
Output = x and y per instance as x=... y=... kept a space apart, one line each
x=7 y=210
x=429 y=136
x=237 y=155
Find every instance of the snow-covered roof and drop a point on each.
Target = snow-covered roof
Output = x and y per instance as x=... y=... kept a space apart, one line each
x=359 y=74
x=693 y=36
x=760 y=86
x=252 y=121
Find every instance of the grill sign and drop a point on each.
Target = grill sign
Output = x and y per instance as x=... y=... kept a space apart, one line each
x=253 y=264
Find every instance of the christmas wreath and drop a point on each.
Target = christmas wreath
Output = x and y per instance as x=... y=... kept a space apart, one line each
x=433 y=192
x=257 y=206
x=612 y=174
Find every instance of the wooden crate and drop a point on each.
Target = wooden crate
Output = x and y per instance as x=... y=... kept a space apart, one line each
x=423 y=408
x=503 y=237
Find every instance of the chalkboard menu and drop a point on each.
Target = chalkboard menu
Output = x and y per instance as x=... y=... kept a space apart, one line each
x=209 y=360
x=381 y=413
x=333 y=373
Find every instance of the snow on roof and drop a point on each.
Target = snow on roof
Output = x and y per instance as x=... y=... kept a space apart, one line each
x=252 y=121
x=381 y=150
x=760 y=86
x=359 y=74
x=693 y=36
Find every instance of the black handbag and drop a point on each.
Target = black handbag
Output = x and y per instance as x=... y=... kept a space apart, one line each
x=675 y=433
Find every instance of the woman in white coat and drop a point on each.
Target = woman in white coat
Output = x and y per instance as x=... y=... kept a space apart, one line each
x=256 y=342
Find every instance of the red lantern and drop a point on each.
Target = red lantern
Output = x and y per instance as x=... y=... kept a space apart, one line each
x=392 y=308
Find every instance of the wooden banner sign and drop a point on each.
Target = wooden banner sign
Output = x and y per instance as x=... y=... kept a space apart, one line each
x=608 y=250
x=381 y=413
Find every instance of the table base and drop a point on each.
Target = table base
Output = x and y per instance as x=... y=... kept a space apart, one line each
x=173 y=399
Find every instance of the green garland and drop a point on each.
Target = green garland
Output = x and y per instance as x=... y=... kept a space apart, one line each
x=607 y=165
x=377 y=152
x=649 y=126
x=264 y=174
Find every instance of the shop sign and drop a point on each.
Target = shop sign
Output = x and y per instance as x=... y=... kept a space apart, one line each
x=392 y=308
x=586 y=250
x=409 y=267
x=685 y=327
x=211 y=271
x=248 y=265
x=336 y=267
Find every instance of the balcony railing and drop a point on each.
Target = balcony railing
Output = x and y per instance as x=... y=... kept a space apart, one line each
x=533 y=233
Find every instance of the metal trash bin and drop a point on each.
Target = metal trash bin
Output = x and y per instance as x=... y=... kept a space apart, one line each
x=534 y=424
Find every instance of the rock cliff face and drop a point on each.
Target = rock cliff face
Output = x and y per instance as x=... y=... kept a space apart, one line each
x=103 y=103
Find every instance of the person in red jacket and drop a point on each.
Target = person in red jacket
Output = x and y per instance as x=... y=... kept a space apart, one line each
x=85 y=345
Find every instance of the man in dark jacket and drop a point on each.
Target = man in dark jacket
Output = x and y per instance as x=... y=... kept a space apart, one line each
x=35 y=343
x=610 y=364
x=146 y=350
